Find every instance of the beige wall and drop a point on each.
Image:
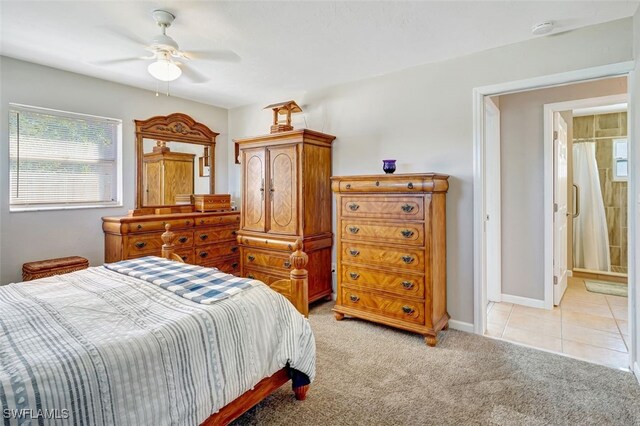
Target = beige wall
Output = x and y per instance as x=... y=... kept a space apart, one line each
x=28 y=236
x=423 y=117
x=522 y=168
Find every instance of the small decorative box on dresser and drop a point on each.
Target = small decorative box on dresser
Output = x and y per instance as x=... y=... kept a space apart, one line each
x=391 y=250
x=286 y=196
x=207 y=239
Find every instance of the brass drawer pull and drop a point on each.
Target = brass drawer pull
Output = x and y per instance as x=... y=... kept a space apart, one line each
x=234 y=232
x=408 y=310
x=407 y=233
x=407 y=208
x=234 y=265
x=203 y=254
x=354 y=253
x=353 y=207
x=407 y=259
x=183 y=239
x=201 y=221
x=184 y=258
x=140 y=244
x=410 y=185
x=348 y=186
x=354 y=275
x=251 y=276
x=286 y=264
x=354 y=229
x=251 y=258
x=139 y=227
x=354 y=298
x=234 y=249
x=203 y=237
x=408 y=285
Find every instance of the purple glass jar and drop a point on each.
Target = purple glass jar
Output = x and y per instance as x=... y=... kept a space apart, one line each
x=389 y=166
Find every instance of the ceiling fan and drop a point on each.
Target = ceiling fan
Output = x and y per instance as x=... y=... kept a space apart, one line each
x=169 y=61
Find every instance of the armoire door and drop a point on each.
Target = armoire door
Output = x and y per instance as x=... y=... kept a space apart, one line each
x=283 y=197
x=178 y=179
x=152 y=183
x=253 y=199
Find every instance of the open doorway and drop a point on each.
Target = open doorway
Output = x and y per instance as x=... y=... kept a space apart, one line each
x=547 y=228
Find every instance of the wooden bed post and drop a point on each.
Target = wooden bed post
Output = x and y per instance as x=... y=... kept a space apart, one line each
x=299 y=279
x=168 y=247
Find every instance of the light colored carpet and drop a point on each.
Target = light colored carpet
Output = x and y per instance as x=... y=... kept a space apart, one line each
x=374 y=375
x=614 y=289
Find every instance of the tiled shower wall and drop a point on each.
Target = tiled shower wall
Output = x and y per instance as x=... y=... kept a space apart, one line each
x=603 y=128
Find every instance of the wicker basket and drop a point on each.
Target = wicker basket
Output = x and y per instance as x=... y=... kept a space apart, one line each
x=50 y=267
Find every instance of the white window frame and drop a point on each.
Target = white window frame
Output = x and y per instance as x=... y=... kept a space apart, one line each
x=616 y=158
x=117 y=187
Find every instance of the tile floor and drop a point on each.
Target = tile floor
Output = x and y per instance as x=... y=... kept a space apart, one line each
x=586 y=325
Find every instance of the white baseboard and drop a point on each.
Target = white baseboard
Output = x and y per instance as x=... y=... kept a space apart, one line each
x=636 y=371
x=461 y=325
x=524 y=301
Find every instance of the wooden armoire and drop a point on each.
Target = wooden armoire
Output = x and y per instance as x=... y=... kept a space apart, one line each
x=286 y=196
x=166 y=174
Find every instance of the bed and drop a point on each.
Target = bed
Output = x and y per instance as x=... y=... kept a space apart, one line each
x=99 y=346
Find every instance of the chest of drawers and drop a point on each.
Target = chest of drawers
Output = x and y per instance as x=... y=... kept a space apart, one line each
x=206 y=239
x=391 y=253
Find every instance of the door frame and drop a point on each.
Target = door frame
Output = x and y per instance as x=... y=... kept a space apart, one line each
x=549 y=109
x=479 y=181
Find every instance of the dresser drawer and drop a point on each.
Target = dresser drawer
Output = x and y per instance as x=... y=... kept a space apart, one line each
x=217 y=220
x=186 y=254
x=405 y=208
x=406 y=258
x=391 y=307
x=402 y=284
x=142 y=245
x=390 y=232
x=209 y=235
x=377 y=184
x=157 y=225
x=205 y=254
x=256 y=274
x=265 y=259
x=229 y=265
x=182 y=239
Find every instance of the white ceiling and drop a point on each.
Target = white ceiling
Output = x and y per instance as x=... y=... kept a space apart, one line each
x=275 y=49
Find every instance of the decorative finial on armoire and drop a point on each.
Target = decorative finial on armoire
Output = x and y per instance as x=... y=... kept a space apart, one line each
x=283 y=108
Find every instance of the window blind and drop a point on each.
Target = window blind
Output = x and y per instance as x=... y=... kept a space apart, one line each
x=62 y=159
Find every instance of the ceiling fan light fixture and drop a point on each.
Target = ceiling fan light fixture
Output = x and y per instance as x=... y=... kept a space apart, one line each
x=164 y=70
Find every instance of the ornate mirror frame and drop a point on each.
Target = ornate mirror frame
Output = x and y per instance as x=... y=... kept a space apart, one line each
x=175 y=127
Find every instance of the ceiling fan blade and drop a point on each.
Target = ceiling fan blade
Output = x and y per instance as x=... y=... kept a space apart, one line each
x=193 y=75
x=117 y=61
x=213 y=55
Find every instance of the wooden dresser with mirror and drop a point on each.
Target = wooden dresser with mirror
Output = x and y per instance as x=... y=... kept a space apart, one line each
x=166 y=151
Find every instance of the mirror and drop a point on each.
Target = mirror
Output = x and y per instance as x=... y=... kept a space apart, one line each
x=175 y=157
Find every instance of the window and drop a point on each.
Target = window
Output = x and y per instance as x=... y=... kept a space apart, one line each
x=620 y=160
x=62 y=160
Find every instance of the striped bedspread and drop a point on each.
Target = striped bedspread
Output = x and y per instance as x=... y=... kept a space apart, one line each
x=95 y=347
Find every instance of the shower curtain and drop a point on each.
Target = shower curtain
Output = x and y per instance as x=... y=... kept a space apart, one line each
x=590 y=233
